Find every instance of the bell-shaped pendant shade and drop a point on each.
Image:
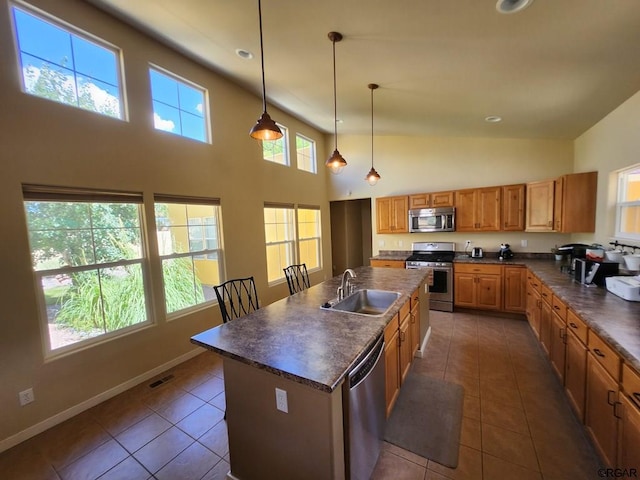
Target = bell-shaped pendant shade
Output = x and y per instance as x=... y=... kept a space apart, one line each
x=372 y=177
x=336 y=162
x=265 y=128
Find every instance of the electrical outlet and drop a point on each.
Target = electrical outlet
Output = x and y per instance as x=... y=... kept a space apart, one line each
x=26 y=397
x=523 y=243
x=467 y=244
x=281 y=400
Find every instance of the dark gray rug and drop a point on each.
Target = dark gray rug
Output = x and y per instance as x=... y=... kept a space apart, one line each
x=427 y=419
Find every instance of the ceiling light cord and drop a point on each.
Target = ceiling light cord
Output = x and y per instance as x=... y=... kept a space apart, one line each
x=264 y=85
x=373 y=176
x=335 y=162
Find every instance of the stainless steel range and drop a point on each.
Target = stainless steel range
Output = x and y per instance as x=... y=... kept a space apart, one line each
x=439 y=257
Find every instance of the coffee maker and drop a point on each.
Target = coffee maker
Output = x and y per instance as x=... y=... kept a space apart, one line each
x=571 y=252
x=505 y=252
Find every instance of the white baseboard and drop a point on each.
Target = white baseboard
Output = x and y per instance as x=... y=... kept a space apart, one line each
x=40 y=427
x=425 y=340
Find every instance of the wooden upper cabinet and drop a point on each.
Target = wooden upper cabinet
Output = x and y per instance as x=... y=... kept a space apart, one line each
x=513 y=201
x=566 y=204
x=431 y=200
x=540 y=206
x=392 y=214
x=478 y=209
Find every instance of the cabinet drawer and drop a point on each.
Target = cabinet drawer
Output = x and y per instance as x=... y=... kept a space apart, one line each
x=534 y=281
x=577 y=326
x=631 y=383
x=388 y=263
x=559 y=307
x=605 y=355
x=391 y=329
x=546 y=293
x=476 y=268
x=404 y=311
x=415 y=298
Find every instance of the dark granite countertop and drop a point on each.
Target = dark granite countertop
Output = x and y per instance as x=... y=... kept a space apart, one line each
x=391 y=255
x=616 y=320
x=296 y=339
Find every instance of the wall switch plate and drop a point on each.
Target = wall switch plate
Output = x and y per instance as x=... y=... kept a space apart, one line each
x=381 y=243
x=523 y=243
x=281 y=400
x=26 y=397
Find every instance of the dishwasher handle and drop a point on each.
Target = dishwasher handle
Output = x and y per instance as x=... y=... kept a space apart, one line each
x=362 y=370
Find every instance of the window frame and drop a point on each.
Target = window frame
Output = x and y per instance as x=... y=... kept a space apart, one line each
x=82 y=34
x=202 y=254
x=206 y=114
x=313 y=159
x=285 y=147
x=622 y=186
x=40 y=193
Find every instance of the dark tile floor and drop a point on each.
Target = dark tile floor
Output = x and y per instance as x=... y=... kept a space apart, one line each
x=517 y=423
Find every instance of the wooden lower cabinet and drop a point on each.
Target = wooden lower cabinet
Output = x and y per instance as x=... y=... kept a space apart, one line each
x=557 y=347
x=575 y=373
x=545 y=325
x=392 y=363
x=629 y=455
x=515 y=289
x=406 y=347
x=534 y=304
x=387 y=263
x=478 y=286
x=415 y=323
x=600 y=420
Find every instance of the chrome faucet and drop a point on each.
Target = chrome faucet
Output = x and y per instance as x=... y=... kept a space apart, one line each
x=346 y=287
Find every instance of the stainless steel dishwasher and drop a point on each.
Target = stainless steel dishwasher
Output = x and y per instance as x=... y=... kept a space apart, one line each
x=365 y=415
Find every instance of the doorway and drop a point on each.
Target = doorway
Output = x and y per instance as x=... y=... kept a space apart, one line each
x=351 y=234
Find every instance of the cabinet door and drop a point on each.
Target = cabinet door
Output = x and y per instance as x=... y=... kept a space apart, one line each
x=383 y=215
x=539 y=206
x=488 y=209
x=489 y=292
x=575 y=373
x=513 y=207
x=558 y=344
x=442 y=199
x=392 y=370
x=601 y=423
x=579 y=202
x=629 y=434
x=400 y=214
x=406 y=352
x=465 y=210
x=420 y=200
x=533 y=309
x=545 y=326
x=415 y=327
x=558 y=196
x=515 y=289
x=464 y=289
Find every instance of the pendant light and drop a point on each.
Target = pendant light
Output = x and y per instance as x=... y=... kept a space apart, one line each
x=265 y=128
x=373 y=176
x=335 y=162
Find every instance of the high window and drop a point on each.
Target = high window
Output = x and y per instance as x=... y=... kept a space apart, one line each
x=190 y=247
x=277 y=151
x=628 y=205
x=67 y=66
x=306 y=154
x=88 y=257
x=290 y=241
x=179 y=107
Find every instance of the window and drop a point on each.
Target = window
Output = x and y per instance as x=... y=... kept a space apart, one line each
x=67 y=66
x=277 y=151
x=628 y=205
x=188 y=232
x=290 y=242
x=88 y=258
x=178 y=106
x=306 y=153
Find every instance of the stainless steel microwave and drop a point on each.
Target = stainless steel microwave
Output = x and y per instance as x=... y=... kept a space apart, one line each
x=441 y=219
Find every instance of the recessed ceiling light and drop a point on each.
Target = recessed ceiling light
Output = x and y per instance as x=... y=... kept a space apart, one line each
x=244 y=54
x=512 y=6
x=493 y=119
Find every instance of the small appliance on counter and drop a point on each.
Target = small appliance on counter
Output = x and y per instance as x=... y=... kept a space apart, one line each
x=625 y=287
x=588 y=272
x=476 y=252
x=505 y=252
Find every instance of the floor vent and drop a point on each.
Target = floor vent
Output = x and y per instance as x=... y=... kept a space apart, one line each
x=161 y=381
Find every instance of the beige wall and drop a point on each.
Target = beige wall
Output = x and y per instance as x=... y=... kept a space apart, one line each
x=610 y=145
x=421 y=164
x=43 y=142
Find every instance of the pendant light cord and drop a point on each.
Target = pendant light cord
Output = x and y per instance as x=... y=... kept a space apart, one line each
x=335 y=100
x=371 y=126
x=264 y=88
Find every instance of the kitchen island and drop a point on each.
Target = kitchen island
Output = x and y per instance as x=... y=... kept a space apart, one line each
x=306 y=352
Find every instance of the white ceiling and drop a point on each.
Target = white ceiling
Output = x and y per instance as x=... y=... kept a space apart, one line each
x=551 y=71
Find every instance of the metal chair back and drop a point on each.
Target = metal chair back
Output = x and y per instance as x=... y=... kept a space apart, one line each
x=236 y=298
x=297 y=278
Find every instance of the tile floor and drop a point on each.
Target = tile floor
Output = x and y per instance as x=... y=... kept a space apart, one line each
x=517 y=423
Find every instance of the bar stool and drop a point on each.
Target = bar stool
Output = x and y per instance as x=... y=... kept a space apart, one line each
x=297 y=278
x=236 y=298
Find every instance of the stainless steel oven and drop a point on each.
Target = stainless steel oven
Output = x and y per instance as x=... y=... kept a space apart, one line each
x=439 y=257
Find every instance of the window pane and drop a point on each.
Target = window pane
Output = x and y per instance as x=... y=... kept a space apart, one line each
x=630 y=220
x=277 y=150
x=178 y=107
x=310 y=253
x=122 y=297
x=56 y=62
x=306 y=154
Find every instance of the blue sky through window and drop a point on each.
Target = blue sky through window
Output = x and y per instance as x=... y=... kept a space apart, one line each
x=59 y=65
x=177 y=107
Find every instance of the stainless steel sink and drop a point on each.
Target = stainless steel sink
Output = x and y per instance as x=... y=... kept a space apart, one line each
x=367 y=302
